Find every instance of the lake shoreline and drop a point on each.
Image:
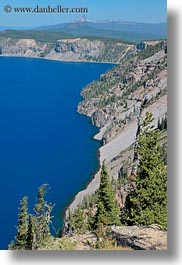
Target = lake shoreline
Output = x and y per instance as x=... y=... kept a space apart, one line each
x=92 y=183
x=56 y=60
x=49 y=141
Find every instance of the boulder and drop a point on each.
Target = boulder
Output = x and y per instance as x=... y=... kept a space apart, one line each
x=152 y=237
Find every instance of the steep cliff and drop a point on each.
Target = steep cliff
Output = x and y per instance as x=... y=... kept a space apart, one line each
x=114 y=103
x=21 y=47
x=76 y=50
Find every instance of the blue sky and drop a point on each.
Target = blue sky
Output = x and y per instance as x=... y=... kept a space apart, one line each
x=151 y=11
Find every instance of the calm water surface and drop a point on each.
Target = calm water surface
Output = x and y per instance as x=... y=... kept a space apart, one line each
x=42 y=137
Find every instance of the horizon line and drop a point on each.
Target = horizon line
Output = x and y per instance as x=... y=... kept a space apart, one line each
x=86 y=20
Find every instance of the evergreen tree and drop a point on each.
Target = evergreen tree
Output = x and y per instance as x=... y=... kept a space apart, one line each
x=90 y=219
x=33 y=229
x=147 y=202
x=30 y=242
x=77 y=221
x=23 y=224
x=42 y=215
x=40 y=206
x=107 y=210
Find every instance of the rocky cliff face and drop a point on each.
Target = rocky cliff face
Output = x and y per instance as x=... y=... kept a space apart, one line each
x=114 y=105
x=79 y=46
x=151 y=237
x=99 y=118
x=21 y=47
x=75 y=50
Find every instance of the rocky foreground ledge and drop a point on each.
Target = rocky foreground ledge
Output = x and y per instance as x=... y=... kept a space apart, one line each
x=151 y=237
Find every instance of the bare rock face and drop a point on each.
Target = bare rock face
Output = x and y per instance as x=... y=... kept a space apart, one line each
x=74 y=50
x=64 y=50
x=99 y=118
x=115 y=111
x=21 y=47
x=151 y=237
x=79 y=46
x=86 y=241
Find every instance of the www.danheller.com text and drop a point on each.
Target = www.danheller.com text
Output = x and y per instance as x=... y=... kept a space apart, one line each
x=48 y=9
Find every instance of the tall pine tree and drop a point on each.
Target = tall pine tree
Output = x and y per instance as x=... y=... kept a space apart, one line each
x=147 y=202
x=42 y=216
x=107 y=210
x=33 y=229
x=23 y=224
x=30 y=241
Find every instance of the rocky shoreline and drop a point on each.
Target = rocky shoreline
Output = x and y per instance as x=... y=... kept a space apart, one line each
x=117 y=148
x=57 y=60
x=95 y=182
x=110 y=151
x=66 y=50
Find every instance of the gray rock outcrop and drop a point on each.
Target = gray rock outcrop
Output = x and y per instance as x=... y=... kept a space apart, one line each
x=99 y=118
x=79 y=46
x=21 y=47
x=151 y=237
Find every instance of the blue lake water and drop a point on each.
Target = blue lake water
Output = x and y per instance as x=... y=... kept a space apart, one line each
x=42 y=137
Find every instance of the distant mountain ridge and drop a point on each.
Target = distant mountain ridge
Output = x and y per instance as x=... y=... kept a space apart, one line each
x=131 y=31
